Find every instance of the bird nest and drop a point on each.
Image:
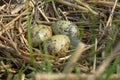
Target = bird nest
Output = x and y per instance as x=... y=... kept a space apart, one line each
x=98 y=22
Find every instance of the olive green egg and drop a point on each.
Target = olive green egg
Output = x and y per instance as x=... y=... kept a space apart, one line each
x=40 y=33
x=66 y=28
x=58 y=45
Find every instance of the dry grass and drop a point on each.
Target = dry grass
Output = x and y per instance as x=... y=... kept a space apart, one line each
x=98 y=22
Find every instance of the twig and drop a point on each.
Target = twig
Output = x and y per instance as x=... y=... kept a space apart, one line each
x=62 y=76
x=19 y=7
x=43 y=14
x=22 y=35
x=23 y=77
x=2 y=7
x=75 y=57
x=111 y=14
x=108 y=22
x=8 y=41
x=86 y=6
x=104 y=3
x=12 y=52
x=63 y=14
x=5 y=67
x=9 y=36
x=35 y=55
x=103 y=66
x=54 y=8
x=72 y=5
x=8 y=26
x=58 y=77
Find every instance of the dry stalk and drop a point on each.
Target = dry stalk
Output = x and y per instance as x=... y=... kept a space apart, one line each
x=111 y=15
x=8 y=26
x=106 y=62
x=72 y=5
x=19 y=7
x=58 y=77
x=55 y=10
x=35 y=55
x=9 y=52
x=10 y=76
x=75 y=57
x=2 y=7
x=62 y=76
x=104 y=3
x=86 y=6
x=23 y=36
x=42 y=12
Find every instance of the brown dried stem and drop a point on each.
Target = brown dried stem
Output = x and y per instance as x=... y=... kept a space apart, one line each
x=72 y=5
x=106 y=62
x=75 y=57
x=62 y=76
x=104 y=3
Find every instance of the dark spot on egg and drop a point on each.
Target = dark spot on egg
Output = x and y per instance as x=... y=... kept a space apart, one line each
x=49 y=48
x=65 y=30
x=61 y=28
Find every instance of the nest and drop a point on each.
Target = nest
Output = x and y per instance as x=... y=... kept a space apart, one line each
x=98 y=23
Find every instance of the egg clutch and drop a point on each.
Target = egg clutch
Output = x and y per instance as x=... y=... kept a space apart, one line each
x=59 y=43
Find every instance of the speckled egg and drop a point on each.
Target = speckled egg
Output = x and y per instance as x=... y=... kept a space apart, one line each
x=66 y=28
x=40 y=33
x=58 y=45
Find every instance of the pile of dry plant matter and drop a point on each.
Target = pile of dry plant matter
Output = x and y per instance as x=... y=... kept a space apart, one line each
x=97 y=20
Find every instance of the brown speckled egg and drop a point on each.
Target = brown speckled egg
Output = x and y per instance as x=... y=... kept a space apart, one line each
x=40 y=33
x=58 y=45
x=66 y=28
